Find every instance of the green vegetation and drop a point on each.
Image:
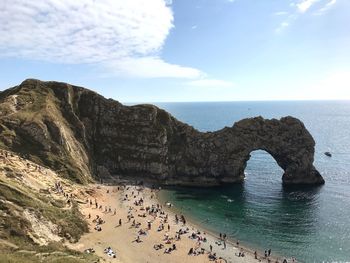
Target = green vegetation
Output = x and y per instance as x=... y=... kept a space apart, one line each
x=47 y=256
x=69 y=220
x=30 y=125
x=14 y=227
x=32 y=118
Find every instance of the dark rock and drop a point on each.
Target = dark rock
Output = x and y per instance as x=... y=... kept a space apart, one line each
x=98 y=137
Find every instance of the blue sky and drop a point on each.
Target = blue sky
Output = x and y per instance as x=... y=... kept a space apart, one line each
x=181 y=50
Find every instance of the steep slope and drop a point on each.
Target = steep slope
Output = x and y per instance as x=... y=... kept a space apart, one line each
x=82 y=135
x=40 y=126
x=35 y=218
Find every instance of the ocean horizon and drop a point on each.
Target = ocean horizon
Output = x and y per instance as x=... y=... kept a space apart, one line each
x=164 y=103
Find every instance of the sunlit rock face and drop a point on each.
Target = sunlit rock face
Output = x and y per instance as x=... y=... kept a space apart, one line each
x=83 y=135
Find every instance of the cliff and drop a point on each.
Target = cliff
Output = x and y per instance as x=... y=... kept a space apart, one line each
x=83 y=136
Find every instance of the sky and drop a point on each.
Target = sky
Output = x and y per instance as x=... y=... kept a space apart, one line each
x=181 y=50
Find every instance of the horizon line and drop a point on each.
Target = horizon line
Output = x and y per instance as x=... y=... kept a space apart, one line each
x=221 y=101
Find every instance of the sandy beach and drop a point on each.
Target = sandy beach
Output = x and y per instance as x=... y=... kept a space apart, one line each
x=138 y=209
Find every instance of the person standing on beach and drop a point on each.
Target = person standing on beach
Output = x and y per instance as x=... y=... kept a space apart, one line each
x=183 y=219
x=120 y=222
x=211 y=248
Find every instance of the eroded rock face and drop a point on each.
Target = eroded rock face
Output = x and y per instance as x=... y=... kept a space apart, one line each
x=144 y=142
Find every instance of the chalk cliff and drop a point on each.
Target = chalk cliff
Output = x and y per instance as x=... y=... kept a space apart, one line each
x=82 y=135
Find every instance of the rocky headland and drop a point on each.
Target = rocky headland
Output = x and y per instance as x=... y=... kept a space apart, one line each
x=84 y=136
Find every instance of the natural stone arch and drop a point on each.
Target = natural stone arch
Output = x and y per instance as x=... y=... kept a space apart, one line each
x=286 y=140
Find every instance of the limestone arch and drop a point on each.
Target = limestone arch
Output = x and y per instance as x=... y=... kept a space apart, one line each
x=286 y=140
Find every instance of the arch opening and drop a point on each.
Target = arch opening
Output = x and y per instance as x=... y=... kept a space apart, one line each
x=262 y=167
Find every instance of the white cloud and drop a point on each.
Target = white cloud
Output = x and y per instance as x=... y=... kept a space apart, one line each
x=194 y=27
x=304 y=5
x=283 y=25
x=300 y=8
x=215 y=83
x=152 y=67
x=103 y=32
x=325 y=8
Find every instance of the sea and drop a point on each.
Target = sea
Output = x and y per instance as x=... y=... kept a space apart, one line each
x=311 y=224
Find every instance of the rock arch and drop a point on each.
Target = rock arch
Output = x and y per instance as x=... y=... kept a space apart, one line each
x=144 y=142
x=286 y=140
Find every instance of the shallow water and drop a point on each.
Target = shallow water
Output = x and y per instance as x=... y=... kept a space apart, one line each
x=312 y=224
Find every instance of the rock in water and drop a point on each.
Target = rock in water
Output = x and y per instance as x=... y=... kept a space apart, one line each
x=83 y=135
x=328 y=154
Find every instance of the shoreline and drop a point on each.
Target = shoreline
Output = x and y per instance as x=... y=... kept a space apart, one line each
x=232 y=241
x=118 y=202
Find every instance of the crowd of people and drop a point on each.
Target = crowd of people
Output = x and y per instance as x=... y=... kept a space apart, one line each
x=145 y=216
x=142 y=215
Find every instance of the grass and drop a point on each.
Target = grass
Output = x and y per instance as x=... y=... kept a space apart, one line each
x=14 y=227
x=36 y=105
x=41 y=107
x=70 y=221
x=11 y=256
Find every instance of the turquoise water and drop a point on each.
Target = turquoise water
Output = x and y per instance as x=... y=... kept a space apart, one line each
x=312 y=224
